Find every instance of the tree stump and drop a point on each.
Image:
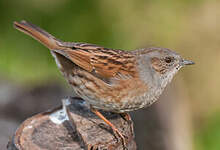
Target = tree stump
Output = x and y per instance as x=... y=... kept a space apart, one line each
x=73 y=127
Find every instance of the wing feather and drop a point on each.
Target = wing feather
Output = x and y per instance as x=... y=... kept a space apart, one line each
x=105 y=63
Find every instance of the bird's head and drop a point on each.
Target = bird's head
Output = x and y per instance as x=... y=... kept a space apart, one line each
x=162 y=62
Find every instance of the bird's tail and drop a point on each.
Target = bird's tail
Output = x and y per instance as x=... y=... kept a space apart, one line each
x=39 y=34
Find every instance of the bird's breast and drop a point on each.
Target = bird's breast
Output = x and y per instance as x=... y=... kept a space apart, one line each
x=121 y=96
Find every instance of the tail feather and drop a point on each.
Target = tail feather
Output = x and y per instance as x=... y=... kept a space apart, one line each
x=39 y=34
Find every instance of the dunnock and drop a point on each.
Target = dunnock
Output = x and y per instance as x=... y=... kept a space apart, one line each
x=112 y=80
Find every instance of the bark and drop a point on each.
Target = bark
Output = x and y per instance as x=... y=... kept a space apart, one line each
x=75 y=129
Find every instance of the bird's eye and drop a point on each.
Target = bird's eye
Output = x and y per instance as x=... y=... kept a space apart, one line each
x=168 y=59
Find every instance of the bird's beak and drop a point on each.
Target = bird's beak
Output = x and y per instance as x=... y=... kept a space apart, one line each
x=186 y=62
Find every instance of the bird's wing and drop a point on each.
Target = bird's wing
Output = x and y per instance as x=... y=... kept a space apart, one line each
x=105 y=63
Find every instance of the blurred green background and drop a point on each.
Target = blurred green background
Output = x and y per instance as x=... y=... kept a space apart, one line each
x=189 y=27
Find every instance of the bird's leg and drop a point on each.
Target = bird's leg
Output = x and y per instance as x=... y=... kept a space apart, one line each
x=115 y=130
x=127 y=118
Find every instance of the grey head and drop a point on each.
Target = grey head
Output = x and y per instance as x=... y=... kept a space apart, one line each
x=157 y=66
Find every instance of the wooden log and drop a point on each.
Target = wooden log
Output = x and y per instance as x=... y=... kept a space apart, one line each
x=73 y=127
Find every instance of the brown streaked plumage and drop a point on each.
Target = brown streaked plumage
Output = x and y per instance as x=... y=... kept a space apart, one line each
x=112 y=80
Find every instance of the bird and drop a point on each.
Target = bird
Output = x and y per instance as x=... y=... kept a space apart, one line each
x=113 y=80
